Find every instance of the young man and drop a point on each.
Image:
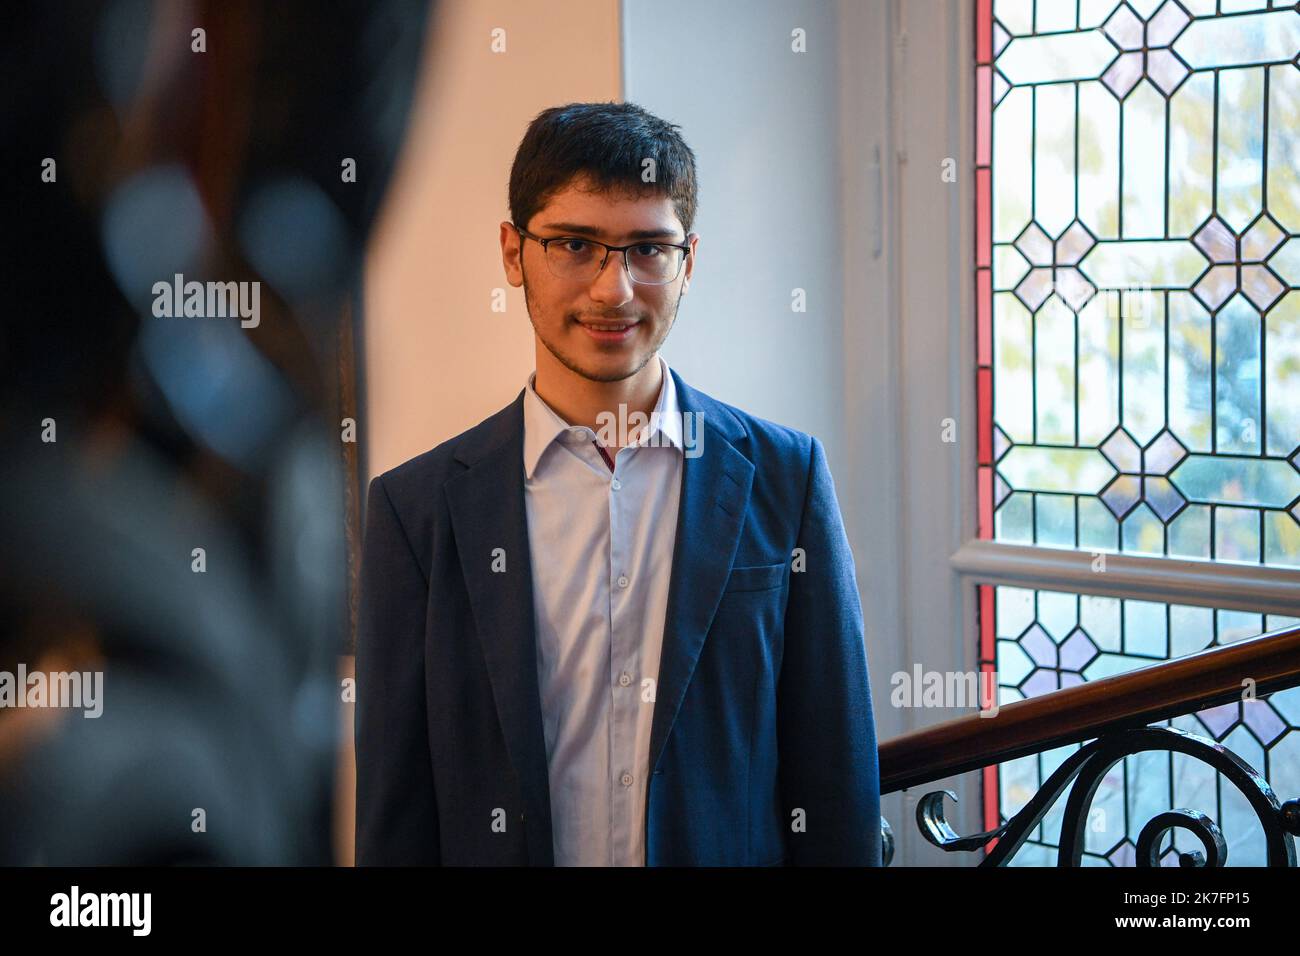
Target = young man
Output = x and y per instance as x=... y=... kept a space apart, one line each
x=588 y=644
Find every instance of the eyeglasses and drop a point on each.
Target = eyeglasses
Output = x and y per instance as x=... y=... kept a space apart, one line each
x=649 y=263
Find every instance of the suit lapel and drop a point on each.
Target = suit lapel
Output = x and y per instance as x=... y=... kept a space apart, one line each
x=487 y=509
x=714 y=498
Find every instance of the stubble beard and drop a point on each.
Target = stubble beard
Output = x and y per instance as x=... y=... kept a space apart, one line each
x=573 y=366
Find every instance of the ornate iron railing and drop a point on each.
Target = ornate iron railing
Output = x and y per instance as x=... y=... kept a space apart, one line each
x=1113 y=714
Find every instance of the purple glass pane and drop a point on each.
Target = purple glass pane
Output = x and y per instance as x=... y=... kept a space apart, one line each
x=1122 y=451
x=1121 y=495
x=1122 y=75
x=1073 y=288
x=1163 y=454
x=1263 y=720
x=1000 y=491
x=1217 y=241
x=1260 y=286
x=1034 y=244
x=1042 y=681
x=1166 y=71
x=1039 y=646
x=1168 y=22
x=1000 y=443
x=1124 y=28
x=1123 y=855
x=1077 y=651
x=1216 y=286
x=1219 y=720
x=1035 y=288
x=1163 y=497
x=1261 y=239
x=1073 y=244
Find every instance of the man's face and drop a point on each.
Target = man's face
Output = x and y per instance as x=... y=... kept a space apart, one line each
x=563 y=310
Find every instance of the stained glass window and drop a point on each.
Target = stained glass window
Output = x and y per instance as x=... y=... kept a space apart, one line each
x=1138 y=276
x=1137 y=254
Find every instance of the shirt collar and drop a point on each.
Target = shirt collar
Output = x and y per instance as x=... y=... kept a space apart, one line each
x=542 y=425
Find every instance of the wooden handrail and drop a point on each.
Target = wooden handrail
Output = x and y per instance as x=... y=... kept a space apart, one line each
x=1133 y=699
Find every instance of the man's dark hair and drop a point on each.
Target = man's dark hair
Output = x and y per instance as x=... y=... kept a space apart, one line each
x=609 y=142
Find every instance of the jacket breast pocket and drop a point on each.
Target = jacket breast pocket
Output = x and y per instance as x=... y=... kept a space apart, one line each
x=760 y=577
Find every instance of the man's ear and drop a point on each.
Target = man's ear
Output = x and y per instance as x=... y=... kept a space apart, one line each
x=511 y=253
x=693 y=240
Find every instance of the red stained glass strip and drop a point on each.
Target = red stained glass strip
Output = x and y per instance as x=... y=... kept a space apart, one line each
x=983 y=324
x=983 y=226
x=986 y=612
x=985 y=529
x=984 y=393
x=983 y=113
x=984 y=31
x=991 y=803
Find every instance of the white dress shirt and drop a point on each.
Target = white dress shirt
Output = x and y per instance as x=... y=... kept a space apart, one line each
x=601 y=544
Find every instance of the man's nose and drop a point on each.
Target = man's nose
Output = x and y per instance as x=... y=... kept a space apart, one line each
x=613 y=286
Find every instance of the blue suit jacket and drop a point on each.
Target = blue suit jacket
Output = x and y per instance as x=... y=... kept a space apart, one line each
x=763 y=743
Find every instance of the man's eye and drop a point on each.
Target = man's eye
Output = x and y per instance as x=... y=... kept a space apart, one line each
x=648 y=250
x=575 y=246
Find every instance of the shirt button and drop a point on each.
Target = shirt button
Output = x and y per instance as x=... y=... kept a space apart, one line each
x=626 y=779
x=622 y=580
x=624 y=679
x=616 y=484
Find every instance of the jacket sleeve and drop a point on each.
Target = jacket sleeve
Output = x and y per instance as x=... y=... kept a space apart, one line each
x=828 y=764
x=397 y=813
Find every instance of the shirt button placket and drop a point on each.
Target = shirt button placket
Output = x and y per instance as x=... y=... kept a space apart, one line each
x=618 y=651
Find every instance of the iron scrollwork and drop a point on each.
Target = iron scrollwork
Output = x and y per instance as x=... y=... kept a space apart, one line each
x=1083 y=771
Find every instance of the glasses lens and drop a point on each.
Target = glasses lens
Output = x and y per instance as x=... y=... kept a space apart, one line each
x=651 y=263
x=574 y=258
x=654 y=263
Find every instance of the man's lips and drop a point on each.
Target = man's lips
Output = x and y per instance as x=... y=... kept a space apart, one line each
x=609 y=330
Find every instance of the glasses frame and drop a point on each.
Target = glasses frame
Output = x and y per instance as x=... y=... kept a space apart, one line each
x=544 y=241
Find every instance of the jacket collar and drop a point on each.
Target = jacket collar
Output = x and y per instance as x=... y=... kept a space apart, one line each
x=542 y=425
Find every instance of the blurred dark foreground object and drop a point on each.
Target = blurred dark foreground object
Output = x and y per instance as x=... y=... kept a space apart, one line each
x=226 y=164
